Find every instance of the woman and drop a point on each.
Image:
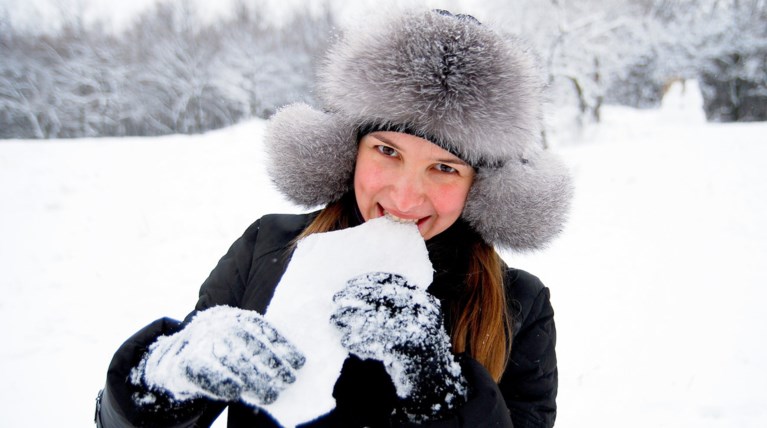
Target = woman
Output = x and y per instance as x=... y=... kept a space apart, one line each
x=429 y=118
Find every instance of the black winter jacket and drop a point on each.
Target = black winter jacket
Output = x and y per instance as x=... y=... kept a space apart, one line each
x=246 y=278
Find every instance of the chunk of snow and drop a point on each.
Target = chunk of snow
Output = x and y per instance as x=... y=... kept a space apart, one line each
x=303 y=302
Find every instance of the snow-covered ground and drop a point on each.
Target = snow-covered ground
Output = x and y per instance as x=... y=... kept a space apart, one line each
x=657 y=281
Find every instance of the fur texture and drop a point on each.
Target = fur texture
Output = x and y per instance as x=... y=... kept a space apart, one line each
x=465 y=87
x=456 y=81
x=312 y=154
x=521 y=205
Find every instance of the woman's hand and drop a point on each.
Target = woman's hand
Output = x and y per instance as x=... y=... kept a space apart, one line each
x=225 y=354
x=383 y=317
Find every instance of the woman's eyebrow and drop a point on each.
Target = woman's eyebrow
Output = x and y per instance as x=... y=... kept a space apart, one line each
x=453 y=160
x=383 y=139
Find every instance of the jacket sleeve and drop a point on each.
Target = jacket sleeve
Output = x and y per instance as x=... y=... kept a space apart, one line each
x=529 y=384
x=116 y=407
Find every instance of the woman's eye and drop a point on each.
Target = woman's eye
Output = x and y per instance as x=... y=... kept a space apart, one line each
x=441 y=167
x=387 y=151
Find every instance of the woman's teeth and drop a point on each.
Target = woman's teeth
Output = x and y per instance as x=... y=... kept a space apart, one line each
x=400 y=220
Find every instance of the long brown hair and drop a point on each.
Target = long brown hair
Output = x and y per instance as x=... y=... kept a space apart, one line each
x=483 y=327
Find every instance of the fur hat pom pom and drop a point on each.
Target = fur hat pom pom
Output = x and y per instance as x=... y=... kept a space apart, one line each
x=522 y=205
x=311 y=154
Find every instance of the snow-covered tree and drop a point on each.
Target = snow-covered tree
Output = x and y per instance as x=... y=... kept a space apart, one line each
x=267 y=66
x=733 y=61
x=584 y=45
x=627 y=51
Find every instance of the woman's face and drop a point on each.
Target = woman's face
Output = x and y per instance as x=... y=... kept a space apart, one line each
x=410 y=179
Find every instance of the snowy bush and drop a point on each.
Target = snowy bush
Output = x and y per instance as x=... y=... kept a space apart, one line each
x=169 y=72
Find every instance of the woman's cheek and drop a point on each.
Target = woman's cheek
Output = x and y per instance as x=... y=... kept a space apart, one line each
x=371 y=178
x=450 y=198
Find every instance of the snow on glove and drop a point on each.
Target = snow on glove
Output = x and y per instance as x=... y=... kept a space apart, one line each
x=224 y=353
x=383 y=317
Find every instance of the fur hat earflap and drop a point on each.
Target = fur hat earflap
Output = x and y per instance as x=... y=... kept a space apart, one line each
x=447 y=78
x=312 y=154
x=521 y=205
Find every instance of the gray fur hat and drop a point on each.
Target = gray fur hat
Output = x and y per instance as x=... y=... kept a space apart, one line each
x=446 y=78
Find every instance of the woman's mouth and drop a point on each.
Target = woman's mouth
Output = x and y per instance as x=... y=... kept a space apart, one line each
x=401 y=219
x=393 y=217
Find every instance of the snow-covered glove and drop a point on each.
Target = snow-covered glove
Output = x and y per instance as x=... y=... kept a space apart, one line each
x=383 y=317
x=225 y=354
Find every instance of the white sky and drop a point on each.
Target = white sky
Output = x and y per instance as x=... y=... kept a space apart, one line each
x=44 y=14
x=49 y=13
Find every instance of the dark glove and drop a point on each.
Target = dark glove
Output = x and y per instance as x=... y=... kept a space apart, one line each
x=225 y=354
x=383 y=317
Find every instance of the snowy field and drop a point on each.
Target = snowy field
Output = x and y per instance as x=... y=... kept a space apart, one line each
x=657 y=282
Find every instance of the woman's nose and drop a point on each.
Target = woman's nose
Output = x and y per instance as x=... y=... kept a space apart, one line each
x=408 y=193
